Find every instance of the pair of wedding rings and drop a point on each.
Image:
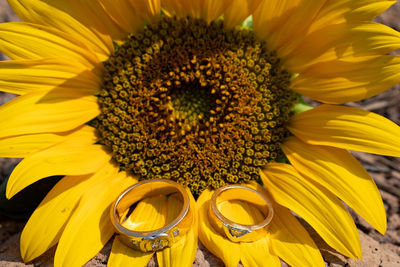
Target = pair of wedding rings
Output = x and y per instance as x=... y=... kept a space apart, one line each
x=159 y=239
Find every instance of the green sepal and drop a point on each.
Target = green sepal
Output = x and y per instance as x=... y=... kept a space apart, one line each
x=248 y=22
x=301 y=105
x=22 y=205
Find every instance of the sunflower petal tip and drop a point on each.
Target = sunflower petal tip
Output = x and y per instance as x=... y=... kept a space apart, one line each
x=10 y=192
x=357 y=251
x=359 y=255
x=24 y=252
x=382 y=228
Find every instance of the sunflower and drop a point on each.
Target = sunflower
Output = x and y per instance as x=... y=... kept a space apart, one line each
x=205 y=93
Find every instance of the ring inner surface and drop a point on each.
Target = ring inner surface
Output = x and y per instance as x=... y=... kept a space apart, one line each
x=128 y=202
x=245 y=198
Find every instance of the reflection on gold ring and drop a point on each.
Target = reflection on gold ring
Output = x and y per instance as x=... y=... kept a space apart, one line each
x=240 y=232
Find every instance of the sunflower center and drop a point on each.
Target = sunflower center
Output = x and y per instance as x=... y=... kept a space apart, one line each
x=191 y=102
x=194 y=102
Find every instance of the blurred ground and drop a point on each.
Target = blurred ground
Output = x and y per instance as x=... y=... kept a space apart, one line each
x=378 y=250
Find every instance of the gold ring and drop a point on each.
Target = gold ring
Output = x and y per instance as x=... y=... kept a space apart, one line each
x=158 y=239
x=240 y=232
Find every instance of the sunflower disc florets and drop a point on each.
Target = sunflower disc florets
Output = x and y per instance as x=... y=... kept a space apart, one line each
x=195 y=103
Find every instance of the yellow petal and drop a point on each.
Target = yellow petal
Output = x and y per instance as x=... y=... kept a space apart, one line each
x=347 y=128
x=257 y=253
x=208 y=10
x=26 y=76
x=21 y=40
x=284 y=23
x=349 y=79
x=122 y=14
x=75 y=156
x=338 y=171
x=315 y=44
x=23 y=145
x=122 y=255
x=55 y=111
x=106 y=24
x=175 y=7
x=45 y=226
x=164 y=257
x=320 y=208
x=149 y=214
x=374 y=38
x=148 y=10
x=68 y=17
x=220 y=246
x=345 y=11
x=271 y=14
x=90 y=227
x=291 y=242
x=183 y=251
x=278 y=21
x=240 y=212
x=340 y=41
x=238 y=11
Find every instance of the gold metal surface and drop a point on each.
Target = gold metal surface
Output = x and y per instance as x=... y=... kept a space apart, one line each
x=156 y=239
x=237 y=232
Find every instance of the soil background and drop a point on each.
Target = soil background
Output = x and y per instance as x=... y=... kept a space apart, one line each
x=378 y=250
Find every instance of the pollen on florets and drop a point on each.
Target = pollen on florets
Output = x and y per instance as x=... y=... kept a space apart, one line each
x=195 y=103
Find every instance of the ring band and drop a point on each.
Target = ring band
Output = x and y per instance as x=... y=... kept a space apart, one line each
x=240 y=232
x=158 y=239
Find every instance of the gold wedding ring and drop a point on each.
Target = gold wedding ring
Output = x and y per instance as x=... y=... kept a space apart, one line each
x=158 y=239
x=240 y=232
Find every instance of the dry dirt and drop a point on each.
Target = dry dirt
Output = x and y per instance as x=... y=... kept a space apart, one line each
x=377 y=250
